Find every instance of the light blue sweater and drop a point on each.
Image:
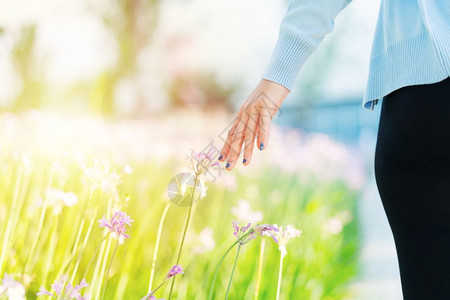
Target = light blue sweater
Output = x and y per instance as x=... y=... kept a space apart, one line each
x=411 y=44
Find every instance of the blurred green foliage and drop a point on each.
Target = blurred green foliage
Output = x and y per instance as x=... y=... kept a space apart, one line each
x=29 y=70
x=39 y=243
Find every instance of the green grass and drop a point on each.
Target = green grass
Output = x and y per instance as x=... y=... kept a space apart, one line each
x=36 y=243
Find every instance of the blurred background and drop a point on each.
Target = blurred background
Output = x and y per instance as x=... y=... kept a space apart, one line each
x=160 y=77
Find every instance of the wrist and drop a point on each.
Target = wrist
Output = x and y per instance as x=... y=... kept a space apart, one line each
x=275 y=90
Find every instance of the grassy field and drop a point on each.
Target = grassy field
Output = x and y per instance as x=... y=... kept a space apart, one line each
x=60 y=175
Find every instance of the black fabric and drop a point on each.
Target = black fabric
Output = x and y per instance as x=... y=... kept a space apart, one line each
x=412 y=172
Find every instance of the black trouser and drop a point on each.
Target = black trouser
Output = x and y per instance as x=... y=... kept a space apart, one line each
x=412 y=171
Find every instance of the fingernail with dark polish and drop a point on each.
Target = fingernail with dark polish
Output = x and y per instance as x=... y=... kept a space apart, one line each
x=220 y=157
x=244 y=161
x=261 y=146
x=228 y=165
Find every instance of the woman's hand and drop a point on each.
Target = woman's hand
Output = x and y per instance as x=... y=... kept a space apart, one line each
x=253 y=121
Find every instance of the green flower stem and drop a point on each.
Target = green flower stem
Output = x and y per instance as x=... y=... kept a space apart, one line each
x=83 y=248
x=280 y=273
x=28 y=268
x=10 y=224
x=157 y=288
x=108 y=269
x=75 y=249
x=216 y=272
x=93 y=255
x=232 y=271
x=69 y=259
x=51 y=251
x=185 y=231
x=102 y=256
x=260 y=264
x=217 y=269
x=101 y=274
x=155 y=253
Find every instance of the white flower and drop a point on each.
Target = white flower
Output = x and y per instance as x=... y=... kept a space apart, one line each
x=128 y=169
x=102 y=176
x=228 y=181
x=205 y=241
x=57 y=199
x=334 y=225
x=13 y=290
x=244 y=213
x=284 y=235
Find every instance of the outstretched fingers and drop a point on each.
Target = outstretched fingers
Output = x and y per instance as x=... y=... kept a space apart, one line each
x=224 y=153
x=238 y=141
x=264 y=129
x=253 y=122
x=250 y=135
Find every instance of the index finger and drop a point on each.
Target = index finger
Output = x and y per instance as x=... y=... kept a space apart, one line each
x=224 y=153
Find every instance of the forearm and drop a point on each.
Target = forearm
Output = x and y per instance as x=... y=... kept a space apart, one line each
x=302 y=29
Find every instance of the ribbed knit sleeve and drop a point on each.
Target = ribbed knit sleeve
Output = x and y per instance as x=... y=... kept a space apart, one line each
x=302 y=29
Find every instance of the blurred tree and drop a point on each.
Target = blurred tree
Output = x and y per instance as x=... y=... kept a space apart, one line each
x=29 y=70
x=132 y=23
x=201 y=90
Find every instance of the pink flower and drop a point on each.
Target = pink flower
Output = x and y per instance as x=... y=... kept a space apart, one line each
x=175 y=270
x=117 y=224
x=200 y=162
x=62 y=288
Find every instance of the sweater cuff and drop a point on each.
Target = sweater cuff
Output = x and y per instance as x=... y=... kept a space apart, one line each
x=288 y=57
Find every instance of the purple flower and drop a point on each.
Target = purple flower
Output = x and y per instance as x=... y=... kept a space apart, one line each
x=245 y=234
x=74 y=292
x=151 y=297
x=59 y=286
x=175 y=270
x=117 y=224
x=268 y=230
x=43 y=292
x=240 y=231
x=62 y=288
